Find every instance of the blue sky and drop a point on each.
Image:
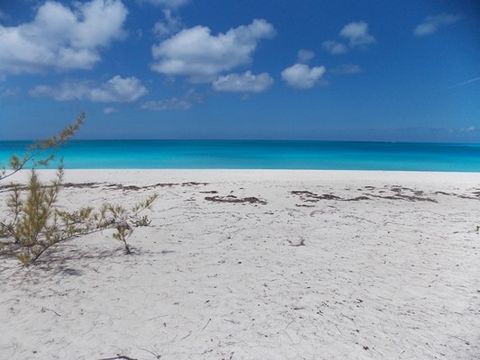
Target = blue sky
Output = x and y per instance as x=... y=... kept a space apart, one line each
x=253 y=69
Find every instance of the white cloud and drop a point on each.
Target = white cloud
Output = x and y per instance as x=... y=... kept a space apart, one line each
x=468 y=129
x=3 y=15
x=463 y=83
x=110 y=110
x=174 y=103
x=117 y=89
x=432 y=23
x=61 y=38
x=357 y=34
x=167 y=104
x=167 y=3
x=6 y=91
x=304 y=55
x=201 y=56
x=335 y=47
x=169 y=25
x=301 y=76
x=246 y=82
x=346 y=69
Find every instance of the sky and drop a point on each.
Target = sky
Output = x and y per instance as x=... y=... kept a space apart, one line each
x=366 y=70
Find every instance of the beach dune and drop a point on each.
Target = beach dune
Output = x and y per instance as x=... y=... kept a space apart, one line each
x=261 y=264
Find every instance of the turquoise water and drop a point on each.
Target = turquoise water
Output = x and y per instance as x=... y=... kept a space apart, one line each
x=153 y=154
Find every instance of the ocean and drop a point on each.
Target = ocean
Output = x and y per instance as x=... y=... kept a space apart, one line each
x=238 y=154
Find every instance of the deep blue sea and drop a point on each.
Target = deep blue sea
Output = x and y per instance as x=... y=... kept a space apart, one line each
x=206 y=154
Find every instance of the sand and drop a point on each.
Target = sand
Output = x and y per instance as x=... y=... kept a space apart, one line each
x=258 y=265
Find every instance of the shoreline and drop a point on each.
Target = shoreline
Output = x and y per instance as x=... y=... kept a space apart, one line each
x=323 y=176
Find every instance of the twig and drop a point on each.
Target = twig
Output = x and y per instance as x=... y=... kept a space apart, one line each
x=208 y=322
x=47 y=309
x=124 y=357
x=36 y=149
x=157 y=356
x=301 y=243
x=189 y=333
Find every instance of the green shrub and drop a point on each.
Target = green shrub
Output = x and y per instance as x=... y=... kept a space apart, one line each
x=34 y=222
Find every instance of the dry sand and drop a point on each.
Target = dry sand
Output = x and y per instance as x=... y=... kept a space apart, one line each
x=388 y=267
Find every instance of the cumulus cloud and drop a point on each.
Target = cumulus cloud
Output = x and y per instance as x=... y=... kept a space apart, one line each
x=468 y=129
x=110 y=110
x=6 y=91
x=117 y=89
x=3 y=15
x=357 y=34
x=175 y=103
x=301 y=76
x=246 y=82
x=167 y=104
x=170 y=24
x=304 y=55
x=61 y=38
x=335 y=47
x=167 y=3
x=346 y=69
x=201 y=56
x=431 y=24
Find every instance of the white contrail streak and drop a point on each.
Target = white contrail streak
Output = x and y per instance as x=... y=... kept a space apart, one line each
x=465 y=82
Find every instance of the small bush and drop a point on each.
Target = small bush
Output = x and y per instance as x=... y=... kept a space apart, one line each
x=33 y=219
x=124 y=221
x=34 y=222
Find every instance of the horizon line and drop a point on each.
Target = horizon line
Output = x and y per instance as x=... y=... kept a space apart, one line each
x=260 y=140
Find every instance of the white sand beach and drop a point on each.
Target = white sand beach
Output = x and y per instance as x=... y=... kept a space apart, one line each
x=261 y=264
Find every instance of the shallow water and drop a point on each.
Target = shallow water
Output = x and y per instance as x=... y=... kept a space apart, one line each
x=206 y=154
